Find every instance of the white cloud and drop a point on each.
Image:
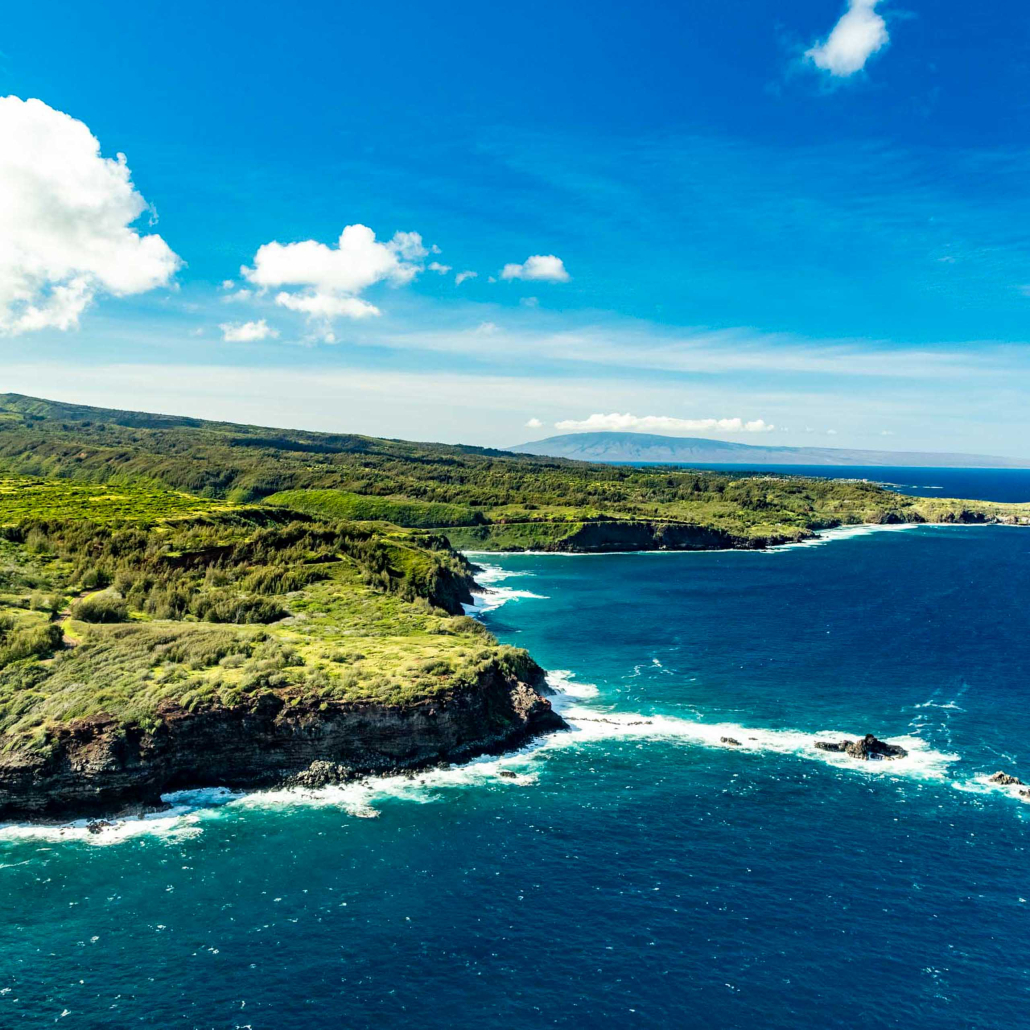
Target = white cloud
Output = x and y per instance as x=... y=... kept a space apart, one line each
x=462 y=276
x=538 y=268
x=530 y=302
x=534 y=423
x=228 y=284
x=237 y=295
x=330 y=279
x=65 y=222
x=435 y=266
x=854 y=39
x=327 y=306
x=487 y=329
x=831 y=432
x=662 y=423
x=409 y=246
x=247 y=332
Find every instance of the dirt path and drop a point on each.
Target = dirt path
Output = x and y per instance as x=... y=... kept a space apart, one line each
x=62 y=617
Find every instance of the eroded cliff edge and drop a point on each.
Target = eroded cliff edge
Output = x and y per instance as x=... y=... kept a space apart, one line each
x=98 y=765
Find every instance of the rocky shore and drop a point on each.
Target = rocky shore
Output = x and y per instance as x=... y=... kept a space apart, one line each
x=98 y=765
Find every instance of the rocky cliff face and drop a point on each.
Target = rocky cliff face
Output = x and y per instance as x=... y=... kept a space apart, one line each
x=653 y=536
x=98 y=765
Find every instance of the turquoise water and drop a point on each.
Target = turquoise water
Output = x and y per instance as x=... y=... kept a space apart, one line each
x=636 y=872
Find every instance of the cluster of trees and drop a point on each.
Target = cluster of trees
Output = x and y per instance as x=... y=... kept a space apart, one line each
x=229 y=570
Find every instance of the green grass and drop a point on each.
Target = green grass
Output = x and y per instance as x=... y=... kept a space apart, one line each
x=427 y=486
x=23 y=498
x=340 y=504
x=171 y=608
x=343 y=641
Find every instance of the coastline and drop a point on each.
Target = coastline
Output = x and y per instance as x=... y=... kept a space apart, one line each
x=818 y=537
x=97 y=766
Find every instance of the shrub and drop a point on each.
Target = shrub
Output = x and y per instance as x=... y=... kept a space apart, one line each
x=102 y=607
x=25 y=643
x=95 y=579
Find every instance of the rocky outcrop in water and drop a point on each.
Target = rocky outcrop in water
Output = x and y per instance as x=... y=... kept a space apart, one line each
x=99 y=764
x=1003 y=779
x=869 y=747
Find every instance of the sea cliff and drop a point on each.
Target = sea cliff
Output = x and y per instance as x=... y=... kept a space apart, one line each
x=99 y=764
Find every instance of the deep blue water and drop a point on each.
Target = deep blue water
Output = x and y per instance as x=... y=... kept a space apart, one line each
x=974 y=484
x=637 y=873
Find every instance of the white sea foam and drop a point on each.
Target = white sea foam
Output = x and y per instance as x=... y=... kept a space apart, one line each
x=492 y=596
x=829 y=536
x=495 y=597
x=188 y=809
x=589 y=724
x=981 y=784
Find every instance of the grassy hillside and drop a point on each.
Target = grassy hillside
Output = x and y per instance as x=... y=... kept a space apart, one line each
x=399 y=511
x=477 y=497
x=123 y=601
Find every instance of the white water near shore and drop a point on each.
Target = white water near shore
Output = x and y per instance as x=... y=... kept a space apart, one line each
x=591 y=723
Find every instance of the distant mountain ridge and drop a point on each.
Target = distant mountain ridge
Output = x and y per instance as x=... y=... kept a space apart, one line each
x=644 y=447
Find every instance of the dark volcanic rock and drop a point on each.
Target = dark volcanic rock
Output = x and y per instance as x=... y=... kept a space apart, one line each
x=1003 y=779
x=729 y=740
x=507 y=774
x=99 y=764
x=865 y=749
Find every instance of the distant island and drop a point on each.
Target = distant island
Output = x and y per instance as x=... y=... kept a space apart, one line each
x=191 y=603
x=649 y=448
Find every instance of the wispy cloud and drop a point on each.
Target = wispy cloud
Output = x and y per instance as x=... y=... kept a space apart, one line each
x=662 y=424
x=859 y=34
x=247 y=332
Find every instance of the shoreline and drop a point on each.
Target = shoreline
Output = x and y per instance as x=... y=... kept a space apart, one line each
x=818 y=537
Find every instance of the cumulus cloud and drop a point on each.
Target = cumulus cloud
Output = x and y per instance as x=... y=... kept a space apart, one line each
x=66 y=217
x=327 y=281
x=853 y=40
x=538 y=268
x=435 y=266
x=534 y=423
x=247 y=332
x=462 y=276
x=662 y=424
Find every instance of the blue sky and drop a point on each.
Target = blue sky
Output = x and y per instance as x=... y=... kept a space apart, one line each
x=755 y=223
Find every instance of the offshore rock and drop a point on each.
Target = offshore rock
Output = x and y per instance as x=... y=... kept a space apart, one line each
x=733 y=742
x=1003 y=779
x=869 y=747
x=99 y=764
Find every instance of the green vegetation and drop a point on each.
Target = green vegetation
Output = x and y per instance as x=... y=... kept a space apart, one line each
x=23 y=498
x=126 y=617
x=340 y=504
x=150 y=562
x=524 y=501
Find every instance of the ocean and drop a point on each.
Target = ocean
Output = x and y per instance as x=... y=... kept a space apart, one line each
x=971 y=483
x=636 y=871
